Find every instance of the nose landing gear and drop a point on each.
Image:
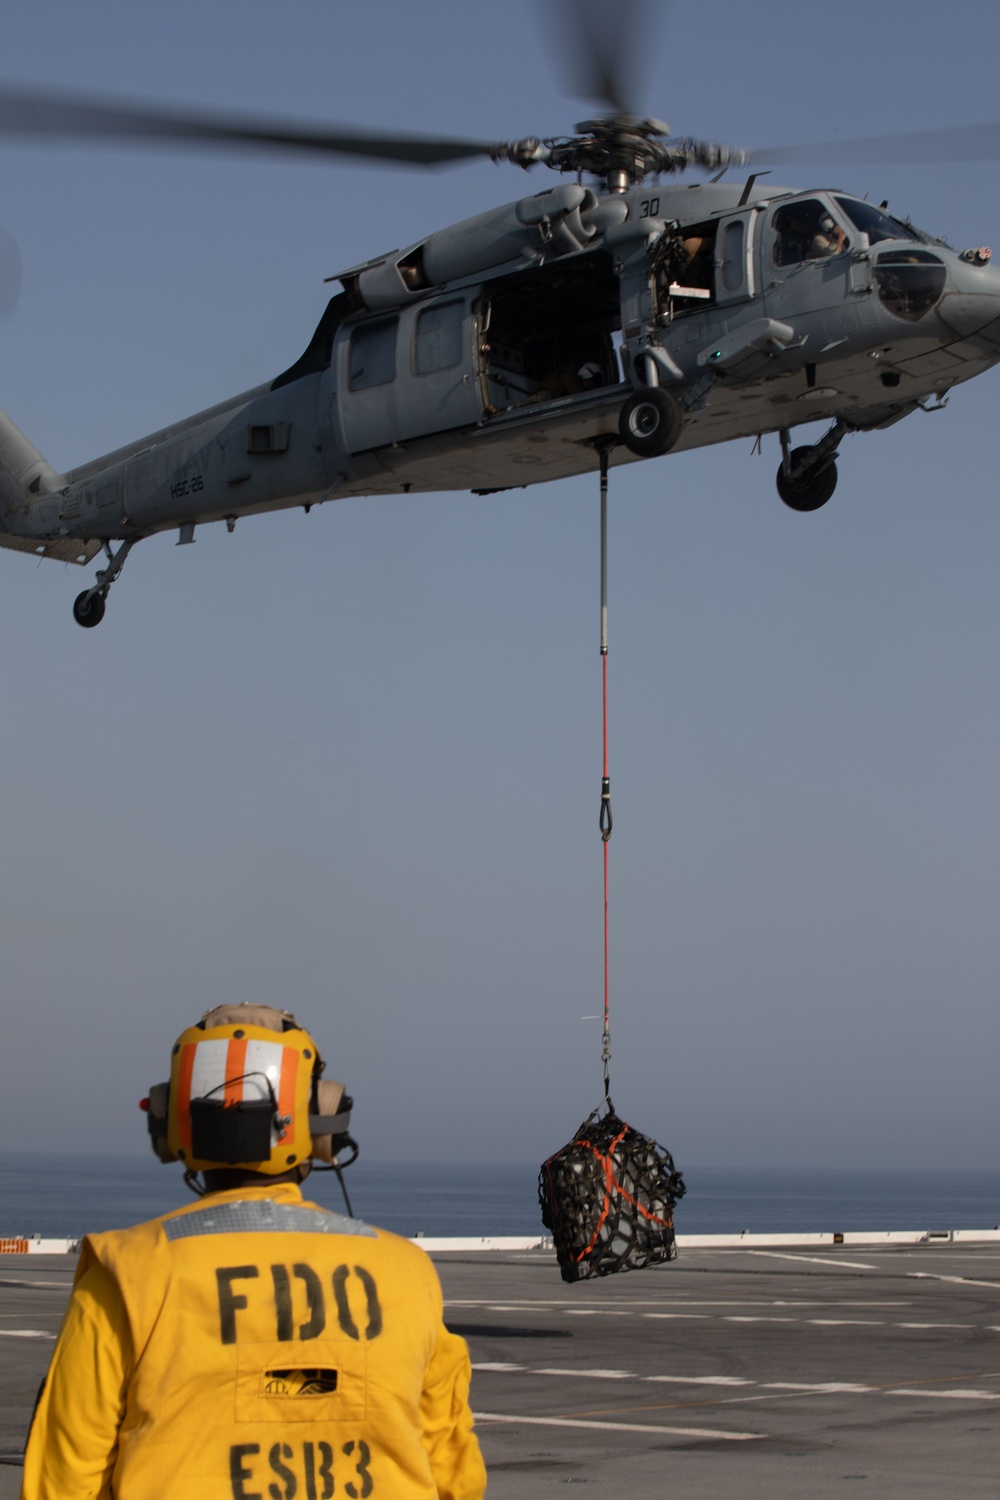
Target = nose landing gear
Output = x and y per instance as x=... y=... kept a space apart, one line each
x=88 y=607
x=813 y=485
x=808 y=476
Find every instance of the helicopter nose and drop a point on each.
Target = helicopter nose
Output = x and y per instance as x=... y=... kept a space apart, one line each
x=971 y=303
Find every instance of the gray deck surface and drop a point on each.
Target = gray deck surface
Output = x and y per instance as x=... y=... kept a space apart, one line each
x=744 y=1373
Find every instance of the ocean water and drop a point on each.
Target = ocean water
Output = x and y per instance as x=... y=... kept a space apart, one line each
x=72 y=1195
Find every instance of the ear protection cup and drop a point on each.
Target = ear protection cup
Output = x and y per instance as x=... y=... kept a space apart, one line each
x=159 y=1099
x=327 y=1096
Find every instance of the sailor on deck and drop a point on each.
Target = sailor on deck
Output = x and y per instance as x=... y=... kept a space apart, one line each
x=253 y=1344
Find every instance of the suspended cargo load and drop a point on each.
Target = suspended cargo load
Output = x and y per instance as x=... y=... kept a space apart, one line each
x=608 y=1198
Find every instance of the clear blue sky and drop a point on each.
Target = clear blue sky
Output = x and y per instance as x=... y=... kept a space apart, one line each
x=350 y=762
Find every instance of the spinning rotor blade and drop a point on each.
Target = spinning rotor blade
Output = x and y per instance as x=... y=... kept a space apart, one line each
x=10 y=273
x=957 y=143
x=24 y=113
x=604 y=46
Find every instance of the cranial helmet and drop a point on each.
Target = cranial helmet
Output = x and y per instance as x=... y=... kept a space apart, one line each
x=246 y=1090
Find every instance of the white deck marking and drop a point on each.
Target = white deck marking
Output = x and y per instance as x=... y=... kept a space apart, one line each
x=790 y=1387
x=46 y=1284
x=688 y=1317
x=680 y=1303
x=819 y=1388
x=845 y=1322
x=936 y=1325
x=945 y=1395
x=25 y=1333
x=860 y=1304
x=757 y=1318
x=698 y=1380
x=819 y=1260
x=695 y=1432
x=811 y=1322
x=956 y=1280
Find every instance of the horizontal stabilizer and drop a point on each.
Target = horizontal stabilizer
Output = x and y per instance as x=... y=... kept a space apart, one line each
x=69 y=549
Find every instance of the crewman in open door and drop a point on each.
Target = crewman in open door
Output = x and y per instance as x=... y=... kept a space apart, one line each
x=253 y=1344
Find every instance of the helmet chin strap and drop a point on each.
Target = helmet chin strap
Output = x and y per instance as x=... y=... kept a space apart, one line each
x=193 y=1185
x=339 y=1166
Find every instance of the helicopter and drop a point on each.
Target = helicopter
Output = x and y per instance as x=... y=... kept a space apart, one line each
x=614 y=316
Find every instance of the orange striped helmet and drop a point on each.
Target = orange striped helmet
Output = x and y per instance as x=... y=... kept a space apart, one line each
x=245 y=1091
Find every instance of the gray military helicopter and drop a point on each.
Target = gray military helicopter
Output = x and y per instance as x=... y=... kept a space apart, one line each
x=611 y=317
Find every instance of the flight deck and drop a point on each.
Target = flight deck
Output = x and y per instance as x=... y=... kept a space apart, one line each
x=759 y=1373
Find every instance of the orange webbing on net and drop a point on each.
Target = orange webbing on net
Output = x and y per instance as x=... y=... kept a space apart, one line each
x=608 y=1198
x=611 y=1187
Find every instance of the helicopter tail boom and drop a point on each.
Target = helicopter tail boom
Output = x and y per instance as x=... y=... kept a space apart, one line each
x=26 y=478
x=24 y=473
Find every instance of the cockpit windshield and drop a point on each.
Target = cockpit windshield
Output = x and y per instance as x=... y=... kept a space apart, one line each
x=873 y=222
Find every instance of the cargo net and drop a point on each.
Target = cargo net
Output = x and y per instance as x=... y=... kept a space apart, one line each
x=608 y=1198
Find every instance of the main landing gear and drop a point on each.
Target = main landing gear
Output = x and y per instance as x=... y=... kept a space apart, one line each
x=88 y=607
x=808 y=476
x=650 y=421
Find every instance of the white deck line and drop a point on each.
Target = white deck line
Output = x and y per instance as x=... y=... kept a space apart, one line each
x=757 y=1241
x=715 y=1433
x=507 y=1243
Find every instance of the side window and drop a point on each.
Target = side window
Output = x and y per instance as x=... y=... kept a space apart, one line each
x=438 y=338
x=373 y=354
x=733 y=256
x=806 y=231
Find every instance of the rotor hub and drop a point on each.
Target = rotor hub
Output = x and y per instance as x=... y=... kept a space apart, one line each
x=622 y=151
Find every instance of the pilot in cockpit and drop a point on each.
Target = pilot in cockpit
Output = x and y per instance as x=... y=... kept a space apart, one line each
x=829 y=239
x=807 y=231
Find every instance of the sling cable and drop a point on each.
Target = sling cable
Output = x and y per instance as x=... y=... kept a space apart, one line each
x=608 y=1196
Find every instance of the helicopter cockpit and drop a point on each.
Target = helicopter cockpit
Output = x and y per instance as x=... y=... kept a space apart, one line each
x=806 y=230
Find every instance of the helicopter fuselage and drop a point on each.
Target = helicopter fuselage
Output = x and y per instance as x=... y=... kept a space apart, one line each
x=497 y=352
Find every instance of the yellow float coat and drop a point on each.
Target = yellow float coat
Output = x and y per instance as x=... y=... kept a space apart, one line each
x=254 y=1347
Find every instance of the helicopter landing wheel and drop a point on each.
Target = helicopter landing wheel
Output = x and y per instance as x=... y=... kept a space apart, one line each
x=650 y=421
x=812 y=488
x=88 y=609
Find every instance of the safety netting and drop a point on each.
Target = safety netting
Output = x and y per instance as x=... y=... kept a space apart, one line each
x=608 y=1198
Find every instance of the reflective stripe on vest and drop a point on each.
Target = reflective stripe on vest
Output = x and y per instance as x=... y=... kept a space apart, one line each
x=261 y=1216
